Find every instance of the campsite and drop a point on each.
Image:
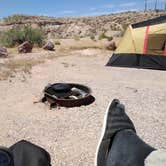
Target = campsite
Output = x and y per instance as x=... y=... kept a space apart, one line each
x=71 y=135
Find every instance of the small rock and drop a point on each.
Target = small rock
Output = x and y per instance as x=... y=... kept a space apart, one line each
x=25 y=47
x=49 y=46
x=3 y=52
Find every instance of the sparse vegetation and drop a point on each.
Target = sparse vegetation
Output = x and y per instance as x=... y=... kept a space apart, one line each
x=16 y=18
x=85 y=47
x=25 y=65
x=13 y=66
x=104 y=36
x=19 y=34
x=124 y=26
x=57 y=42
x=1 y=38
x=76 y=38
x=92 y=37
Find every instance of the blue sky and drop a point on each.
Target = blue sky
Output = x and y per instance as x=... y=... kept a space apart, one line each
x=61 y=8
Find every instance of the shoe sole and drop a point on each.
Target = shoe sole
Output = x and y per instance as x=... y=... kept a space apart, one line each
x=103 y=132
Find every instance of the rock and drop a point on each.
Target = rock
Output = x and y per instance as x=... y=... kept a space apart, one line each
x=3 y=52
x=25 y=47
x=49 y=46
x=110 y=46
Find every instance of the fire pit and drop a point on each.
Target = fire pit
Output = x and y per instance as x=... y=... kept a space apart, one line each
x=67 y=95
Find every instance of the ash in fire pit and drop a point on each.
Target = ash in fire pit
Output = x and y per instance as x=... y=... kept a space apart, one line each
x=67 y=95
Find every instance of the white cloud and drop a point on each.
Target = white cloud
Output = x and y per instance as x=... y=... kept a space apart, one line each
x=67 y=12
x=92 y=9
x=108 y=6
x=121 y=11
x=96 y=13
x=129 y=4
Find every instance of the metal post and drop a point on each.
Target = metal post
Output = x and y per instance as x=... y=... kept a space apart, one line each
x=146 y=5
x=155 y=7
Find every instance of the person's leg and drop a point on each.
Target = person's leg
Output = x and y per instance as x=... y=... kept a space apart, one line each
x=6 y=158
x=128 y=150
x=114 y=121
x=24 y=153
x=117 y=124
x=27 y=154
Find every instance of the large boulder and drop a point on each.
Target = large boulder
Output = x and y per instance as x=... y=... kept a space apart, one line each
x=3 y=52
x=49 y=46
x=25 y=47
x=110 y=46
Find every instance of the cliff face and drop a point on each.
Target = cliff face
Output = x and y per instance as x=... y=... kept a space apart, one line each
x=80 y=26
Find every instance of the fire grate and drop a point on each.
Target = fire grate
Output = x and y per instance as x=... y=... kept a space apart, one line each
x=67 y=95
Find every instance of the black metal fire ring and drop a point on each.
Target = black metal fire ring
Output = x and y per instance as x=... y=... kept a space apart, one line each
x=62 y=102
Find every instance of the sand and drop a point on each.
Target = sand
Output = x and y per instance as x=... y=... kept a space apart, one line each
x=71 y=135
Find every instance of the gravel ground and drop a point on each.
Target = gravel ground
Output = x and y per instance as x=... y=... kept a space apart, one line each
x=71 y=135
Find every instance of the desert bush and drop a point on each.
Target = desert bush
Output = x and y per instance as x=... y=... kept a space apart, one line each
x=0 y=38
x=104 y=36
x=76 y=38
x=111 y=46
x=16 y=18
x=124 y=27
x=92 y=37
x=20 y=34
x=57 y=42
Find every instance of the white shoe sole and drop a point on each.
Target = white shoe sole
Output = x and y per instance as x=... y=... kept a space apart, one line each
x=103 y=132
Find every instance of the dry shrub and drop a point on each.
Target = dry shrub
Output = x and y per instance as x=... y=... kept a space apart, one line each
x=104 y=36
x=20 y=34
x=57 y=42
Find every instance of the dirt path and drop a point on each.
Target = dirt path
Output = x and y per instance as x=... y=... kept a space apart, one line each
x=71 y=135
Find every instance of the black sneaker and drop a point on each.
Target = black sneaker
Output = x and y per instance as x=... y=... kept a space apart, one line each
x=115 y=120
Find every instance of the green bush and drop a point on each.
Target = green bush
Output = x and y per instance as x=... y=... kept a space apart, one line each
x=16 y=18
x=18 y=35
x=104 y=36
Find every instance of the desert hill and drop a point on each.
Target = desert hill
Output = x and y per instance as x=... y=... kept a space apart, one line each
x=70 y=27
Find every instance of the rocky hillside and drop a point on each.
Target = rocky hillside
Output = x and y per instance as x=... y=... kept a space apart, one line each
x=112 y=24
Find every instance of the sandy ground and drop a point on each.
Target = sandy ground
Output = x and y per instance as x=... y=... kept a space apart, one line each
x=71 y=135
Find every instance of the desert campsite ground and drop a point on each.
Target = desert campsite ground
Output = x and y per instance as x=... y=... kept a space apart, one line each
x=71 y=135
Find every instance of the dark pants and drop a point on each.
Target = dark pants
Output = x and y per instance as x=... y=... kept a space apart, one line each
x=24 y=153
x=128 y=149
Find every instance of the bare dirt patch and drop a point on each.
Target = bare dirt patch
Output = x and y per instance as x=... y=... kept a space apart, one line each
x=24 y=62
x=71 y=135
